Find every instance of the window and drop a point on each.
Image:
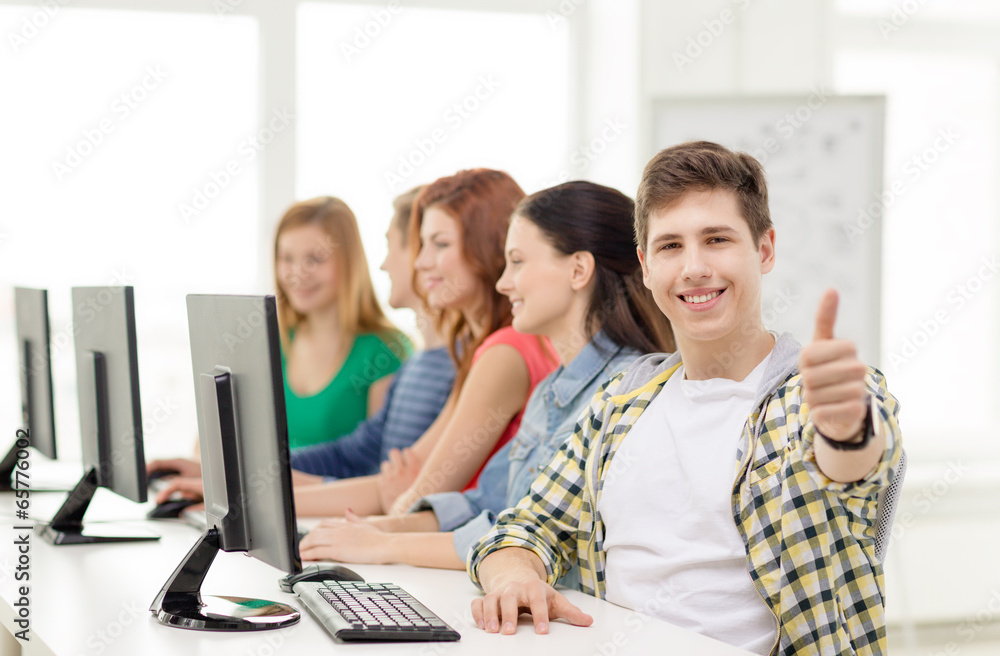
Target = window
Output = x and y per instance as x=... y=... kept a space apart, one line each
x=941 y=296
x=128 y=159
x=391 y=99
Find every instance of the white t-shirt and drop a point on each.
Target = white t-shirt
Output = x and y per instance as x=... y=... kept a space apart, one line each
x=673 y=549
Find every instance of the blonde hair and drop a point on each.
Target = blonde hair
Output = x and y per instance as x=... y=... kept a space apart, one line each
x=358 y=309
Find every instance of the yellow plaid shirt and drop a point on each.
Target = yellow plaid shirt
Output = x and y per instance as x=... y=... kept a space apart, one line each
x=810 y=541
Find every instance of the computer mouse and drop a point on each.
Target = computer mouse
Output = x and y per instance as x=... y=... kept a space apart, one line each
x=170 y=509
x=319 y=573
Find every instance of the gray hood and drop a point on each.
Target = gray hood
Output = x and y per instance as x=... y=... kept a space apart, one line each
x=784 y=362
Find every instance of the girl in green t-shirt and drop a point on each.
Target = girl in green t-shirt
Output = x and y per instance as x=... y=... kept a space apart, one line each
x=339 y=350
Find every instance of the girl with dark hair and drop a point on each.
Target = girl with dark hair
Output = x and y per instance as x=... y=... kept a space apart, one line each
x=572 y=275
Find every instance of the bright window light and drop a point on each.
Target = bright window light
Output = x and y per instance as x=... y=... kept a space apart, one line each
x=941 y=289
x=120 y=128
x=391 y=99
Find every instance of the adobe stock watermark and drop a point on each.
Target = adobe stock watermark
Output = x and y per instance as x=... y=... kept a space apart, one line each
x=461 y=621
x=272 y=642
x=224 y=7
x=587 y=153
x=927 y=498
x=157 y=414
x=713 y=28
x=782 y=303
x=33 y=24
x=790 y=122
x=99 y=641
x=637 y=619
x=565 y=9
x=245 y=326
x=88 y=311
x=956 y=299
x=376 y=366
x=219 y=179
x=465 y=450
x=987 y=615
x=900 y=15
x=584 y=155
x=618 y=468
x=122 y=107
x=366 y=34
x=453 y=118
x=6 y=570
x=913 y=170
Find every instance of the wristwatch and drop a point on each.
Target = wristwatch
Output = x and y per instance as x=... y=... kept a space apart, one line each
x=868 y=432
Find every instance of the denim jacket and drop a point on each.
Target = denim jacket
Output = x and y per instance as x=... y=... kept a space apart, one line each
x=550 y=417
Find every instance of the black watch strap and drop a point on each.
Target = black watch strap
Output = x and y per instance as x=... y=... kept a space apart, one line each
x=869 y=433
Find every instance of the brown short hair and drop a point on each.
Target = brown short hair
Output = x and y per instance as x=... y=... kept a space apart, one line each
x=402 y=206
x=701 y=166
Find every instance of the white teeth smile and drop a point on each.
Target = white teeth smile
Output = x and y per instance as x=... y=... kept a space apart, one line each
x=703 y=298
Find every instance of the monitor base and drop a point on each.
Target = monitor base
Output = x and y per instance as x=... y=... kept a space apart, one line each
x=95 y=535
x=58 y=487
x=229 y=614
x=181 y=605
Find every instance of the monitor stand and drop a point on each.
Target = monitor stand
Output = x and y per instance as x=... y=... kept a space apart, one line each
x=7 y=467
x=67 y=526
x=8 y=475
x=181 y=604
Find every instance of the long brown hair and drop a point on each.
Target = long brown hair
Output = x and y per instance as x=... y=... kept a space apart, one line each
x=481 y=201
x=583 y=216
x=358 y=309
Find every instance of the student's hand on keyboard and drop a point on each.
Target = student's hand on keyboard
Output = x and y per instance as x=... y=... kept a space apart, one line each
x=189 y=488
x=348 y=540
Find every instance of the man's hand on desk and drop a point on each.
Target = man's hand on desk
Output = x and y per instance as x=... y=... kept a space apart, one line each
x=514 y=582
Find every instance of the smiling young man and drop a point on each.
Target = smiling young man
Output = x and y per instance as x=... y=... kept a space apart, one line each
x=731 y=487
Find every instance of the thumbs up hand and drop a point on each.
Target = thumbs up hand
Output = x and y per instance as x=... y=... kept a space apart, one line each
x=833 y=378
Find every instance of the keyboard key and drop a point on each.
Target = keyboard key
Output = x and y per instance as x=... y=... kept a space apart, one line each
x=373 y=611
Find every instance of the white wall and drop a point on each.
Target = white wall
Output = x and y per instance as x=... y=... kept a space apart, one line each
x=942 y=568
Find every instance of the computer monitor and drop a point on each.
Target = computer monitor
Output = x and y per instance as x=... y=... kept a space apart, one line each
x=31 y=309
x=107 y=374
x=243 y=433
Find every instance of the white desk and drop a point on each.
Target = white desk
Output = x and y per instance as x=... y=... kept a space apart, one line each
x=94 y=600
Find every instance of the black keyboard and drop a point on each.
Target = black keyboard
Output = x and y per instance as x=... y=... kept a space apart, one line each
x=351 y=610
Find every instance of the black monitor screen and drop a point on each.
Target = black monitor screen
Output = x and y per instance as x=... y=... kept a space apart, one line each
x=244 y=457
x=31 y=307
x=107 y=377
x=107 y=373
x=236 y=360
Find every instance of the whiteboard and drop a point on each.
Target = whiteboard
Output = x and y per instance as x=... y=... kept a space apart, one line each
x=823 y=158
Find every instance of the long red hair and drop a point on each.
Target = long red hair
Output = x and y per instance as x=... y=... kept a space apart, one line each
x=481 y=201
